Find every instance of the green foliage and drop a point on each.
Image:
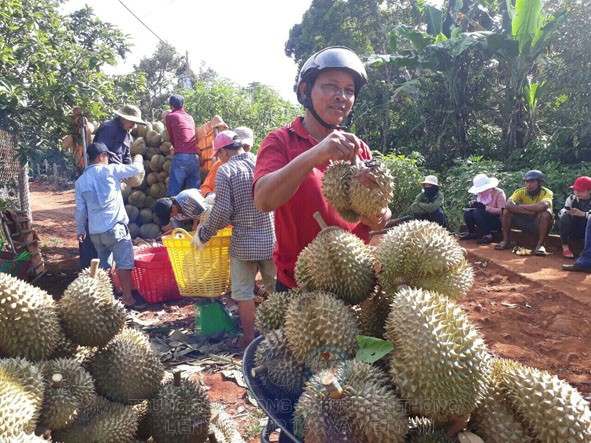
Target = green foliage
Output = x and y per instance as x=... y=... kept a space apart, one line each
x=407 y=176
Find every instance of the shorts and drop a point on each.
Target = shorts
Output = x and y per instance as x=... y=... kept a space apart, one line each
x=114 y=245
x=243 y=274
x=527 y=223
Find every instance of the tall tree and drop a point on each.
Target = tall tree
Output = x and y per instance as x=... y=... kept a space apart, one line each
x=50 y=63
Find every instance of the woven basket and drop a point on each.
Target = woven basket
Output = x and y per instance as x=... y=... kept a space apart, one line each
x=200 y=273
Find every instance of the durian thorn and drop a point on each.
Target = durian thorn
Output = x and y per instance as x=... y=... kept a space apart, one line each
x=212 y=438
x=258 y=370
x=320 y=220
x=94 y=263
x=176 y=377
x=332 y=385
x=57 y=380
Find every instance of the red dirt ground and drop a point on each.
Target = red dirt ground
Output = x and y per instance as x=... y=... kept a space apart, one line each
x=527 y=308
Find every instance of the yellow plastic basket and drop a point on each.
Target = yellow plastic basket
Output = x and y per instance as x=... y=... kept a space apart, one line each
x=200 y=273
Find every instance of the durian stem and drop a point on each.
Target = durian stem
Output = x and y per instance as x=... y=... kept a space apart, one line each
x=332 y=385
x=320 y=220
x=56 y=380
x=212 y=438
x=258 y=370
x=176 y=377
x=94 y=264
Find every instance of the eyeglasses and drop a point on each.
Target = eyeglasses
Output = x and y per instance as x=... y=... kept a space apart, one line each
x=334 y=90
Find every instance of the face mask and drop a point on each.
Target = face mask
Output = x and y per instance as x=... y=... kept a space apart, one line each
x=485 y=197
x=431 y=192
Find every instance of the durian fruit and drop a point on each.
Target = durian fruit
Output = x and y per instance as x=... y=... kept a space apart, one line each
x=270 y=314
x=351 y=402
x=222 y=426
x=335 y=185
x=318 y=323
x=180 y=412
x=373 y=313
x=454 y=283
x=29 y=320
x=339 y=262
x=23 y=437
x=102 y=421
x=439 y=363
x=277 y=369
x=127 y=369
x=423 y=430
x=101 y=274
x=493 y=419
x=553 y=409
x=368 y=201
x=143 y=426
x=90 y=314
x=68 y=389
x=415 y=250
x=21 y=396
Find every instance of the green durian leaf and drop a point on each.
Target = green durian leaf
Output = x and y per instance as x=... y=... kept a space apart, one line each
x=371 y=349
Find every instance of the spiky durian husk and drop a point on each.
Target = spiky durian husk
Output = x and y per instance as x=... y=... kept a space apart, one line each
x=553 y=409
x=127 y=369
x=270 y=314
x=337 y=261
x=143 y=425
x=284 y=376
x=62 y=404
x=493 y=419
x=180 y=413
x=90 y=314
x=373 y=313
x=21 y=396
x=349 y=215
x=439 y=363
x=423 y=430
x=415 y=250
x=23 y=437
x=454 y=283
x=29 y=320
x=318 y=322
x=102 y=275
x=222 y=426
x=368 y=409
x=102 y=421
x=335 y=185
x=370 y=201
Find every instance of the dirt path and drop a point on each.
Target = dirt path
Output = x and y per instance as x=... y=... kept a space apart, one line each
x=527 y=308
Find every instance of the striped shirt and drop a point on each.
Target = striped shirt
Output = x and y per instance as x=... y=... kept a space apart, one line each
x=253 y=235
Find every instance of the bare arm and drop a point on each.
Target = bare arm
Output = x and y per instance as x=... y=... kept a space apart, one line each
x=275 y=189
x=532 y=209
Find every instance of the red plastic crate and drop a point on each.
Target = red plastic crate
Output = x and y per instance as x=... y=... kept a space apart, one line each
x=153 y=277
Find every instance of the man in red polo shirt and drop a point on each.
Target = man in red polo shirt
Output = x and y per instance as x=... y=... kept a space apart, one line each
x=181 y=133
x=292 y=160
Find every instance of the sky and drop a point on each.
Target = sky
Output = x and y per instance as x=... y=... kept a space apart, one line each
x=242 y=40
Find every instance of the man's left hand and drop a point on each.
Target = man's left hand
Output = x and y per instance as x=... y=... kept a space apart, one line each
x=81 y=237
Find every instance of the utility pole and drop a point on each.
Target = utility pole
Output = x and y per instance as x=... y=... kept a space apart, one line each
x=186 y=82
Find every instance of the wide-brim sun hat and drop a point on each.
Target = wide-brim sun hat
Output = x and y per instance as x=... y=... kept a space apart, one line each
x=131 y=113
x=481 y=183
x=430 y=180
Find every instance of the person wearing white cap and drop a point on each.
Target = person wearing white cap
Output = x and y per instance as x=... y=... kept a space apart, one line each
x=428 y=205
x=253 y=235
x=485 y=212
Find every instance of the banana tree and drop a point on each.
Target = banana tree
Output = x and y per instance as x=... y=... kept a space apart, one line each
x=520 y=54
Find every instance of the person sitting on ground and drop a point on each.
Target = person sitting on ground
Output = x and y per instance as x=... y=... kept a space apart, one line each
x=253 y=235
x=573 y=217
x=428 y=205
x=174 y=212
x=529 y=209
x=100 y=204
x=485 y=212
x=208 y=187
x=583 y=263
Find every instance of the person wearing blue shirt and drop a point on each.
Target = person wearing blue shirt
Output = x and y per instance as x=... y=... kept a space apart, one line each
x=116 y=133
x=99 y=204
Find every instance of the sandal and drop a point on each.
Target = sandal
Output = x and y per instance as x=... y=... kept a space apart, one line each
x=502 y=246
x=567 y=253
x=540 y=251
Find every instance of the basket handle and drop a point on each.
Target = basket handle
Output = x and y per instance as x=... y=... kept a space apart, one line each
x=180 y=233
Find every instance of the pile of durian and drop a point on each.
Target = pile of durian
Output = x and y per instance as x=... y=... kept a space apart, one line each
x=72 y=371
x=439 y=383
